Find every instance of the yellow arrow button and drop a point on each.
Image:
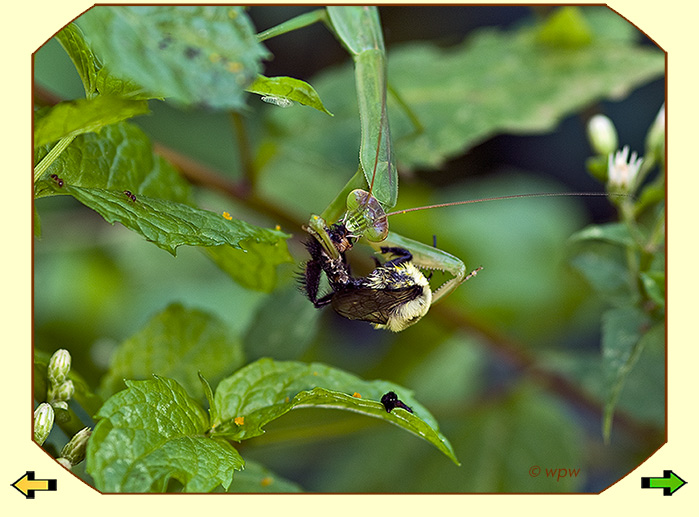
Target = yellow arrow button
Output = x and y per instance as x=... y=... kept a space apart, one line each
x=28 y=485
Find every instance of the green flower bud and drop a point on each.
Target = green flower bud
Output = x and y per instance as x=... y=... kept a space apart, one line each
x=60 y=404
x=43 y=422
x=602 y=135
x=655 y=140
x=59 y=366
x=62 y=392
x=74 y=450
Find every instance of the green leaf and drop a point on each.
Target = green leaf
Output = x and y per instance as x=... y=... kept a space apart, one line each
x=72 y=118
x=152 y=433
x=604 y=267
x=95 y=77
x=168 y=224
x=176 y=343
x=288 y=88
x=622 y=330
x=258 y=480
x=195 y=55
x=614 y=233
x=120 y=158
x=654 y=285
x=462 y=99
x=86 y=63
x=254 y=266
x=284 y=326
x=266 y=389
x=503 y=441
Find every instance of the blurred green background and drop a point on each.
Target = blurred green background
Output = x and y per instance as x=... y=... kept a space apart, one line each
x=510 y=364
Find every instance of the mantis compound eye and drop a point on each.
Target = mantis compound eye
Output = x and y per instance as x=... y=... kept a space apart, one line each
x=365 y=216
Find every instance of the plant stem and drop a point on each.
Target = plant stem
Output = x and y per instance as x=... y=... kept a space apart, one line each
x=298 y=22
x=241 y=136
x=51 y=156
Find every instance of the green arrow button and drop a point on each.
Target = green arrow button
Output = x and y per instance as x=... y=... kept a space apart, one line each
x=670 y=482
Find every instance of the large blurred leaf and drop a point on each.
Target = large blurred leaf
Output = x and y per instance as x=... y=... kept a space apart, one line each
x=283 y=327
x=505 y=441
x=623 y=329
x=86 y=63
x=195 y=55
x=94 y=76
x=507 y=82
x=177 y=343
x=143 y=429
x=265 y=390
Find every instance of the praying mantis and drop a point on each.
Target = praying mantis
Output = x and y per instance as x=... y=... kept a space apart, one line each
x=396 y=294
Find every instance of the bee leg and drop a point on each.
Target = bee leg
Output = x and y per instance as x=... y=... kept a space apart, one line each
x=310 y=280
x=402 y=255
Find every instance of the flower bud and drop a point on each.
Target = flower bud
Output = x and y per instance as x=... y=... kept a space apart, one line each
x=602 y=135
x=74 y=450
x=43 y=422
x=59 y=366
x=64 y=463
x=655 y=140
x=62 y=392
x=60 y=404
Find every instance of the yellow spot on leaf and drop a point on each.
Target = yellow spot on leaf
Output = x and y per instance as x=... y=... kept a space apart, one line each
x=356 y=395
x=226 y=215
x=239 y=420
x=234 y=67
x=266 y=481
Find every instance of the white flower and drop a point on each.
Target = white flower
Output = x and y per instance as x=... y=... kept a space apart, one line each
x=622 y=171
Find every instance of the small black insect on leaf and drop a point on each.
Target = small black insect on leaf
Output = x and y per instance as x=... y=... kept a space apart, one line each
x=130 y=195
x=390 y=401
x=165 y=42
x=191 y=52
x=58 y=180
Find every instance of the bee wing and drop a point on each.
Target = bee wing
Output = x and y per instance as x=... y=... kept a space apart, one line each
x=372 y=305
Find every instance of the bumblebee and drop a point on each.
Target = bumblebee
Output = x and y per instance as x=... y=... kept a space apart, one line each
x=393 y=296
